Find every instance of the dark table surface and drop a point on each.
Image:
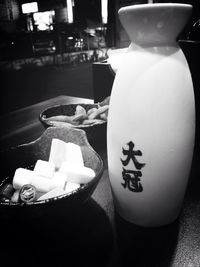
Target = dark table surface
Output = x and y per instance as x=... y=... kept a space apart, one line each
x=97 y=236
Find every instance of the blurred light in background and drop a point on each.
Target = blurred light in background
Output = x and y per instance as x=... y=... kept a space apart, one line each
x=70 y=11
x=44 y=20
x=104 y=11
x=29 y=8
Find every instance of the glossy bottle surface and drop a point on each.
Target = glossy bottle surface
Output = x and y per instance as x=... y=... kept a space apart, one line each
x=151 y=123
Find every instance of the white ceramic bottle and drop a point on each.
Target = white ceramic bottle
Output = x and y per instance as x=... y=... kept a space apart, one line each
x=151 y=122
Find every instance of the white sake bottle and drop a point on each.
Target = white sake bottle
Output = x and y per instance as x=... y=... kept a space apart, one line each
x=151 y=121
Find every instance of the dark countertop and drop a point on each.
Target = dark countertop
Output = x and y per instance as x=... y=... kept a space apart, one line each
x=96 y=235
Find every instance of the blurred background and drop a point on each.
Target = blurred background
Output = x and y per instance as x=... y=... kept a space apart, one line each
x=49 y=47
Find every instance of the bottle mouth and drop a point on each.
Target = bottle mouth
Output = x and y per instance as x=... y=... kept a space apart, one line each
x=155 y=5
x=154 y=24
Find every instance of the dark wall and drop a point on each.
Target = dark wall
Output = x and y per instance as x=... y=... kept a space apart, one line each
x=87 y=12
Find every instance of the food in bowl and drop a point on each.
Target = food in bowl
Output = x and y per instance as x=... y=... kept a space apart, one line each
x=93 y=115
x=26 y=155
x=95 y=128
x=62 y=173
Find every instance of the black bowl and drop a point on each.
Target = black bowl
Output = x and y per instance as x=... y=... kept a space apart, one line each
x=96 y=133
x=26 y=155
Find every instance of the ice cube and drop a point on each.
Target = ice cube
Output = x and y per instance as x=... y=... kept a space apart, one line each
x=58 y=180
x=41 y=183
x=44 y=168
x=53 y=193
x=21 y=177
x=71 y=187
x=77 y=174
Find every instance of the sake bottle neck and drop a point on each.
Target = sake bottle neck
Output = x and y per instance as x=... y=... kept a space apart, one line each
x=154 y=24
